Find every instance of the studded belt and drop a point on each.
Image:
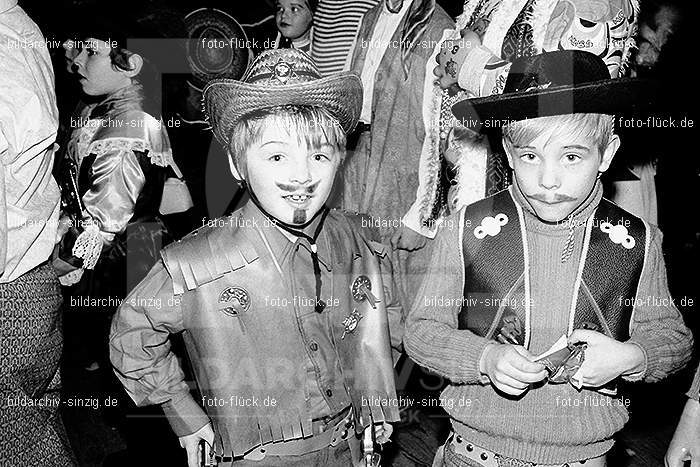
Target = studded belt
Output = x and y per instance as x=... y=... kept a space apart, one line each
x=488 y=458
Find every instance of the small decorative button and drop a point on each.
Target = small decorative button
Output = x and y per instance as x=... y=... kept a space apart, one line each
x=490 y=226
x=618 y=234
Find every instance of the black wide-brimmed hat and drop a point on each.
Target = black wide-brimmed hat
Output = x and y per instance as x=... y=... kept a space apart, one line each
x=277 y=78
x=217 y=47
x=557 y=83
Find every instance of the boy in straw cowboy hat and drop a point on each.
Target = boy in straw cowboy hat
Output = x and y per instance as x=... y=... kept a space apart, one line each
x=282 y=304
x=546 y=261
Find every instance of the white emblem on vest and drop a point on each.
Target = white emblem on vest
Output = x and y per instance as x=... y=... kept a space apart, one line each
x=490 y=226
x=618 y=234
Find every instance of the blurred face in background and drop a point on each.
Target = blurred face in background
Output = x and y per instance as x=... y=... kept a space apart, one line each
x=293 y=18
x=96 y=72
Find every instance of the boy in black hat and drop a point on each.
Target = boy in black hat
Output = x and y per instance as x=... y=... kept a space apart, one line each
x=546 y=261
x=282 y=304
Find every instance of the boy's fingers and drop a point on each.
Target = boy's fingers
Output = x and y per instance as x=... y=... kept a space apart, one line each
x=507 y=380
x=192 y=457
x=523 y=364
x=527 y=377
x=583 y=335
x=510 y=386
x=208 y=435
x=524 y=352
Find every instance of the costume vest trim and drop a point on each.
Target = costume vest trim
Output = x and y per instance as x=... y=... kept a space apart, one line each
x=242 y=344
x=497 y=269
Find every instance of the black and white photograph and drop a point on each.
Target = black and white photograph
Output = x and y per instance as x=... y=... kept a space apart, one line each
x=349 y=233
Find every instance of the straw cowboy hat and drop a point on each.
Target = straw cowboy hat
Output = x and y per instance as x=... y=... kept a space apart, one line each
x=278 y=78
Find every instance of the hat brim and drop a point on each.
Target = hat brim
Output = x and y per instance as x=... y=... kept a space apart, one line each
x=232 y=60
x=611 y=96
x=226 y=100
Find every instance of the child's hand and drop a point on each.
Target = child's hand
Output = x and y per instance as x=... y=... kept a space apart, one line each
x=605 y=358
x=470 y=37
x=382 y=432
x=64 y=225
x=686 y=441
x=406 y=238
x=510 y=368
x=453 y=53
x=191 y=444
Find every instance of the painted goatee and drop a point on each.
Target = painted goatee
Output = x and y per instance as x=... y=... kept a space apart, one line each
x=299 y=216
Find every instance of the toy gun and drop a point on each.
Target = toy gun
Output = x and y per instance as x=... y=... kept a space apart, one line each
x=371 y=458
x=70 y=196
x=207 y=457
x=72 y=206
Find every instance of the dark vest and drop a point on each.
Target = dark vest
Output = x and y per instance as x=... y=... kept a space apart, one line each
x=243 y=338
x=497 y=271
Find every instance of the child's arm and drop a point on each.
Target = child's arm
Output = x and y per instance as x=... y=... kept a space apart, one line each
x=660 y=343
x=432 y=338
x=141 y=356
x=657 y=325
x=434 y=341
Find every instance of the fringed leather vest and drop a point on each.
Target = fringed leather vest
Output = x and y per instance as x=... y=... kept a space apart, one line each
x=244 y=340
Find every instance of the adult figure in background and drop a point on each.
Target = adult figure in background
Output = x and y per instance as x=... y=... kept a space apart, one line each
x=31 y=342
x=394 y=54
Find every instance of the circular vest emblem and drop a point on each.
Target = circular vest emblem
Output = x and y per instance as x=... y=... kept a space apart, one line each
x=359 y=286
x=235 y=299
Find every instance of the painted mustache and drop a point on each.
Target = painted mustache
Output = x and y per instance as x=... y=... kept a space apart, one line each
x=558 y=198
x=296 y=189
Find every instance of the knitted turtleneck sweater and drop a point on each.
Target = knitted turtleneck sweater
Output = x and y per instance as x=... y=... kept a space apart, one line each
x=550 y=423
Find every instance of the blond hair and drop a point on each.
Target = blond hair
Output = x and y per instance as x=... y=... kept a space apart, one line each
x=592 y=127
x=313 y=126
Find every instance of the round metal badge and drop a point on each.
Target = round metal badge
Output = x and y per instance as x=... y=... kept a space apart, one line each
x=237 y=300
x=358 y=292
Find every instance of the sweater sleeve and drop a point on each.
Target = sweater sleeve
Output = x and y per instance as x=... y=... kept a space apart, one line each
x=432 y=336
x=141 y=355
x=657 y=325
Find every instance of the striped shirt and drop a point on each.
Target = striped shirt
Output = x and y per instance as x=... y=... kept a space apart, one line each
x=336 y=23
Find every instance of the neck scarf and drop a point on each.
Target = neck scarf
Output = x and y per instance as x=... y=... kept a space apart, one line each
x=298 y=231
